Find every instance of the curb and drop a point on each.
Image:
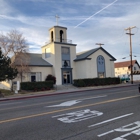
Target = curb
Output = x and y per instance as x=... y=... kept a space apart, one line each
x=52 y=94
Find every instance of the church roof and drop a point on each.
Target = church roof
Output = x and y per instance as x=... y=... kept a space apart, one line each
x=125 y=64
x=84 y=55
x=36 y=60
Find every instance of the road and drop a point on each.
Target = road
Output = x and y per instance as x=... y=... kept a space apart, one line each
x=109 y=114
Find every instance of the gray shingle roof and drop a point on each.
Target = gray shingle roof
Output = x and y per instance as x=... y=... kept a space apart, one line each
x=33 y=60
x=36 y=60
x=84 y=55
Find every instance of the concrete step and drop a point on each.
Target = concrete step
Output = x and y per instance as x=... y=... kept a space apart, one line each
x=64 y=87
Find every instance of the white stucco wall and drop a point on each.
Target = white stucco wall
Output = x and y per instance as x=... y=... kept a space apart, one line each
x=109 y=65
x=58 y=60
x=56 y=33
x=80 y=69
x=88 y=68
x=51 y=59
x=58 y=64
x=73 y=57
x=43 y=70
x=136 y=66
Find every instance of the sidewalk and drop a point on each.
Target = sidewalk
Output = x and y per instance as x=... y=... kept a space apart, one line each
x=62 y=91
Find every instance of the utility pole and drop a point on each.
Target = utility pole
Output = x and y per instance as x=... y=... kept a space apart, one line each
x=130 y=34
x=100 y=44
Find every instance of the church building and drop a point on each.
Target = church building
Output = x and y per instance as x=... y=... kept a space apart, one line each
x=60 y=59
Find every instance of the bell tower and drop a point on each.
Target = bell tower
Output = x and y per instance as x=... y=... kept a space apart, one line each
x=60 y=53
x=58 y=34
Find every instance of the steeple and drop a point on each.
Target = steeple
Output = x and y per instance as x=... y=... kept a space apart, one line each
x=58 y=34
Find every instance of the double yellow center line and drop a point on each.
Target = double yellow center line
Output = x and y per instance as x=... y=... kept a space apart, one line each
x=61 y=110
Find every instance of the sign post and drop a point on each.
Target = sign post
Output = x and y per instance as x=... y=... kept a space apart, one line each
x=16 y=86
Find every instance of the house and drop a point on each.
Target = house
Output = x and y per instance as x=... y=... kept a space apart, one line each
x=123 y=69
x=59 y=58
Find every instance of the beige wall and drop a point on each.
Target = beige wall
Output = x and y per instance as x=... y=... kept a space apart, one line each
x=51 y=59
x=55 y=58
x=26 y=76
x=43 y=70
x=80 y=70
x=124 y=70
x=5 y=85
x=56 y=33
x=109 y=65
x=88 y=68
x=73 y=57
x=58 y=61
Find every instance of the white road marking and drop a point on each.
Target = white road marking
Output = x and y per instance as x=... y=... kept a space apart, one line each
x=111 y=120
x=68 y=103
x=78 y=116
x=58 y=116
x=127 y=128
x=133 y=128
x=73 y=102
x=93 y=97
x=106 y=133
x=10 y=103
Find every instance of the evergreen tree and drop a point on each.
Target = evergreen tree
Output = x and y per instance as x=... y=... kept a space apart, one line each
x=6 y=71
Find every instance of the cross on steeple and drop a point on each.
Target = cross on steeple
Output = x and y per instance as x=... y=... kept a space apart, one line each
x=57 y=17
x=100 y=44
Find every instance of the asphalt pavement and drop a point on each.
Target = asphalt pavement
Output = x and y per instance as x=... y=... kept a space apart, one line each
x=104 y=113
x=57 y=91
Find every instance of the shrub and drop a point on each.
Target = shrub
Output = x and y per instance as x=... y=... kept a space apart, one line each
x=81 y=83
x=96 y=81
x=51 y=78
x=75 y=82
x=36 y=86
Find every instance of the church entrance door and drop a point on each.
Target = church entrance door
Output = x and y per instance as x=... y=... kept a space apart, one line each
x=66 y=77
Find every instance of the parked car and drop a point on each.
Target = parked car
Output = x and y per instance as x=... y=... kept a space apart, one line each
x=125 y=78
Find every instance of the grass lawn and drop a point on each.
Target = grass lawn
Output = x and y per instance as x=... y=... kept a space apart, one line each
x=9 y=92
x=6 y=92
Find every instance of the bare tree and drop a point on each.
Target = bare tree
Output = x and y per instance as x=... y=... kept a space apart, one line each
x=21 y=62
x=13 y=44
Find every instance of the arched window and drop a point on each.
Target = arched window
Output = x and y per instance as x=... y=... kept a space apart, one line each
x=61 y=35
x=51 y=36
x=101 y=66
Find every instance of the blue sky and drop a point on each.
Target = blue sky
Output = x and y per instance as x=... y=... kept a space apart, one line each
x=88 y=22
